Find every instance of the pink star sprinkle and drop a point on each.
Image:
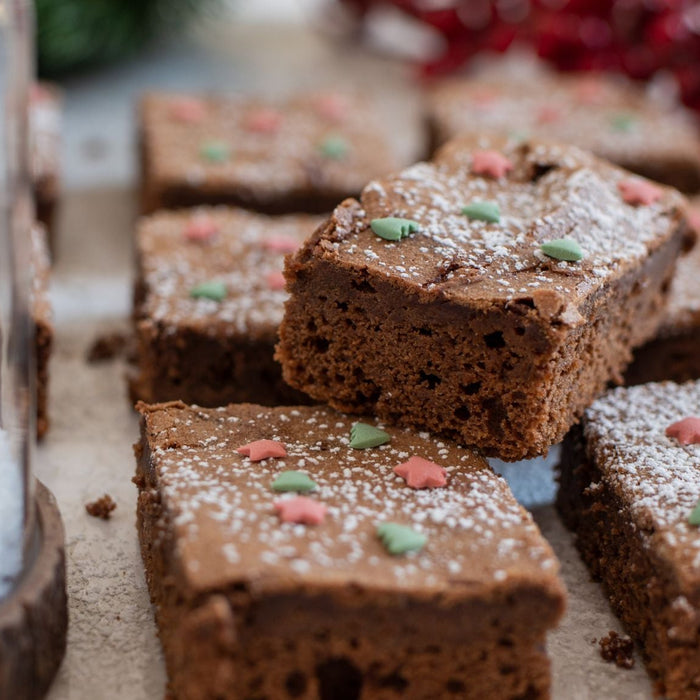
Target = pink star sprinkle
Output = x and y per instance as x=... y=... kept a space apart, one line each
x=635 y=191
x=281 y=244
x=686 y=431
x=262 y=449
x=275 y=280
x=300 y=509
x=549 y=114
x=200 y=229
x=188 y=110
x=491 y=163
x=264 y=121
x=589 y=91
x=419 y=473
x=331 y=107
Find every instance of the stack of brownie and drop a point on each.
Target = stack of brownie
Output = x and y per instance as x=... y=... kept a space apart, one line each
x=475 y=304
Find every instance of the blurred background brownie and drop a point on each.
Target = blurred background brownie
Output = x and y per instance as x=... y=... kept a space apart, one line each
x=675 y=351
x=365 y=585
x=302 y=155
x=630 y=490
x=647 y=134
x=208 y=301
x=518 y=281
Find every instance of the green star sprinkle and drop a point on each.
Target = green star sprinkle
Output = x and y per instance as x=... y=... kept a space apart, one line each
x=215 y=151
x=563 y=249
x=363 y=436
x=622 y=122
x=399 y=539
x=293 y=480
x=391 y=228
x=694 y=517
x=334 y=147
x=483 y=211
x=212 y=289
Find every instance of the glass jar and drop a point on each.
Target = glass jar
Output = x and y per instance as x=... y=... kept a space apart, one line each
x=17 y=401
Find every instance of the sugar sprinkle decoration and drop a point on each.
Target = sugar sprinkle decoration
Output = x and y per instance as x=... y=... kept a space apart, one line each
x=399 y=539
x=694 y=517
x=562 y=249
x=686 y=431
x=392 y=228
x=281 y=244
x=188 y=110
x=421 y=473
x=363 y=436
x=330 y=106
x=549 y=114
x=293 y=480
x=211 y=289
x=483 y=211
x=262 y=449
x=491 y=163
x=635 y=191
x=622 y=122
x=200 y=228
x=275 y=281
x=264 y=121
x=300 y=509
x=334 y=148
x=215 y=151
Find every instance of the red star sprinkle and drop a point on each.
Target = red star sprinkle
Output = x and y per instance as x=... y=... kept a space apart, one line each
x=188 y=110
x=419 y=473
x=635 y=191
x=262 y=449
x=686 y=431
x=264 y=121
x=490 y=163
x=200 y=229
x=331 y=107
x=300 y=509
x=281 y=244
x=549 y=114
x=275 y=280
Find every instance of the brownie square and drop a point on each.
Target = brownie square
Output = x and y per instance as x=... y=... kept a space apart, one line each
x=249 y=606
x=302 y=155
x=208 y=301
x=465 y=326
x=628 y=490
x=41 y=314
x=45 y=151
x=673 y=353
x=611 y=117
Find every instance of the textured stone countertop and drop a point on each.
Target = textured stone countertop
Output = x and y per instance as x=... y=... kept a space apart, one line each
x=113 y=650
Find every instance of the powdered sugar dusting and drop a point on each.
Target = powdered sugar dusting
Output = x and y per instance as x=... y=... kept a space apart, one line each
x=217 y=498
x=654 y=475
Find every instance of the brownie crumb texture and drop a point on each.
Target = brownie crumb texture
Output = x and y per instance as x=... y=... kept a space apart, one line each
x=102 y=507
x=618 y=649
x=108 y=347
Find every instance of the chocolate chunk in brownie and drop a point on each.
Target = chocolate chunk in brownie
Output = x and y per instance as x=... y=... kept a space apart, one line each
x=611 y=117
x=401 y=570
x=304 y=154
x=488 y=295
x=630 y=490
x=209 y=299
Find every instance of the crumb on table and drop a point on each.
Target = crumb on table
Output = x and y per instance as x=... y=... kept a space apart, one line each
x=617 y=648
x=102 y=507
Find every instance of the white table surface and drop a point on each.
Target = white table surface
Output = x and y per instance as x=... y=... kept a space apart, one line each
x=113 y=651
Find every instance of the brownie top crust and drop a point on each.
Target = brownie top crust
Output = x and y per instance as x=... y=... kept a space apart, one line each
x=610 y=117
x=654 y=477
x=551 y=192
x=265 y=149
x=241 y=252
x=226 y=529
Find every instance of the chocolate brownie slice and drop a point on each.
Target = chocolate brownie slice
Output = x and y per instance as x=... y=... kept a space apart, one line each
x=629 y=490
x=302 y=155
x=466 y=326
x=362 y=587
x=610 y=117
x=673 y=353
x=208 y=301
x=42 y=320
